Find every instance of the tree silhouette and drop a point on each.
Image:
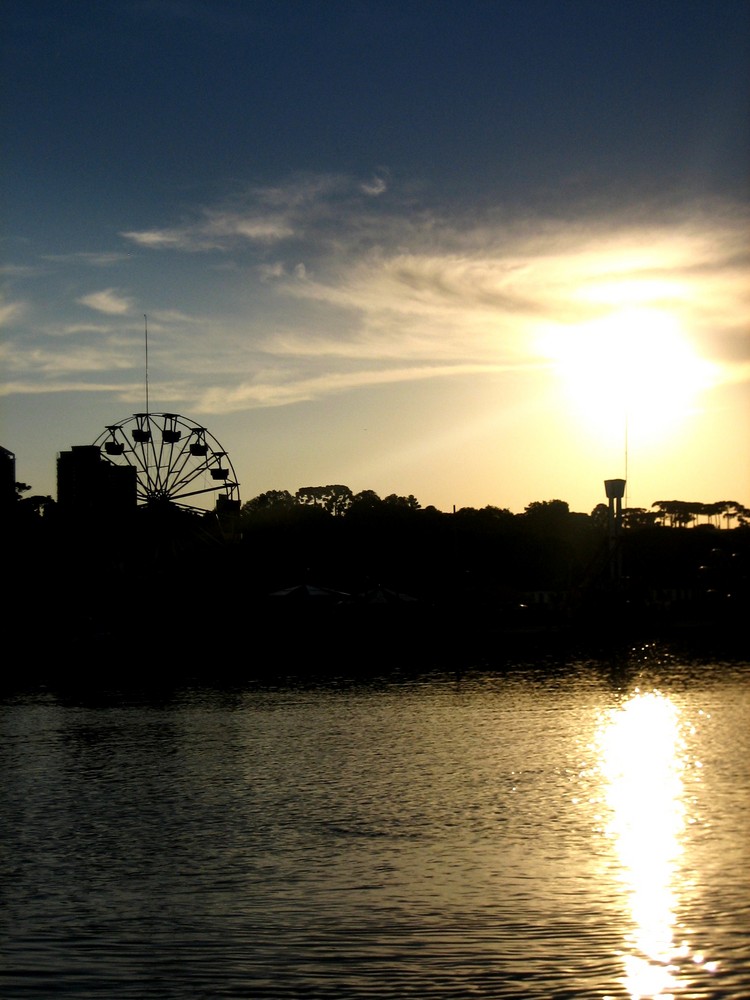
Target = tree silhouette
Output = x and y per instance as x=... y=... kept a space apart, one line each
x=273 y=499
x=410 y=502
x=679 y=513
x=635 y=518
x=335 y=500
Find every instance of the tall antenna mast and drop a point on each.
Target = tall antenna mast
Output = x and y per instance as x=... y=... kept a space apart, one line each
x=626 y=457
x=145 y=326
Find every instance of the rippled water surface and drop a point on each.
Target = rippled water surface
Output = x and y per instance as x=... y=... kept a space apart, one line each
x=583 y=832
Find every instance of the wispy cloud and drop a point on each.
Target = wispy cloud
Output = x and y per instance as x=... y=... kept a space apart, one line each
x=483 y=294
x=19 y=271
x=272 y=393
x=73 y=360
x=377 y=185
x=353 y=287
x=79 y=329
x=263 y=215
x=108 y=301
x=93 y=259
x=11 y=311
x=215 y=230
x=123 y=391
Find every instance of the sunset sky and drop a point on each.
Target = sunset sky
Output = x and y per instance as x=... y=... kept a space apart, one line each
x=479 y=252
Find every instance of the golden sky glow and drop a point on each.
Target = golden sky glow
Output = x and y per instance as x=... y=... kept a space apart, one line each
x=456 y=283
x=574 y=343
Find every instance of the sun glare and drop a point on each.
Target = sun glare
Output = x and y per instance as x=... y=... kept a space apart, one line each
x=641 y=754
x=632 y=368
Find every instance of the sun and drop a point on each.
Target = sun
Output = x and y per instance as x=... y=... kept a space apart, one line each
x=633 y=367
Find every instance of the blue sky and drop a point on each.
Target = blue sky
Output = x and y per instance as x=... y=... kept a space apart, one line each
x=479 y=252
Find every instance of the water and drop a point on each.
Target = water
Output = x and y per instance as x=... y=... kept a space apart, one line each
x=569 y=833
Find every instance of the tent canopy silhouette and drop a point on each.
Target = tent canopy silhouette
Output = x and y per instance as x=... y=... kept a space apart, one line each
x=304 y=592
x=383 y=595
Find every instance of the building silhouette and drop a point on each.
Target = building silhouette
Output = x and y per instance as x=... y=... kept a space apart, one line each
x=7 y=478
x=88 y=484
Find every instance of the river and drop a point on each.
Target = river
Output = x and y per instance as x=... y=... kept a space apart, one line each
x=545 y=831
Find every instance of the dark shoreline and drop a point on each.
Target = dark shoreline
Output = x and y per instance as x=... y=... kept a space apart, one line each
x=273 y=646
x=163 y=601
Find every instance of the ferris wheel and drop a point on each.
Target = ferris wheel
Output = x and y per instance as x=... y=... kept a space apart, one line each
x=175 y=460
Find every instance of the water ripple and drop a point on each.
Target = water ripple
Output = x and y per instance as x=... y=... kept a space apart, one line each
x=430 y=840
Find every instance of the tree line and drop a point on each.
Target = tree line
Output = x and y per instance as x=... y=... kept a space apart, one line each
x=474 y=568
x=333 y=533
x=340 y=501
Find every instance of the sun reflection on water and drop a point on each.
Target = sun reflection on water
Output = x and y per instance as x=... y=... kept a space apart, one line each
x=642 y=755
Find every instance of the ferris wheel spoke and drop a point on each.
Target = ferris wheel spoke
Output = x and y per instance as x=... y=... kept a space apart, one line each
x=140 y=460
x=180 y=471
x=189 y=476
x=145 y=457
x=196 y=493
x=178 y=461
x=161 y=466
